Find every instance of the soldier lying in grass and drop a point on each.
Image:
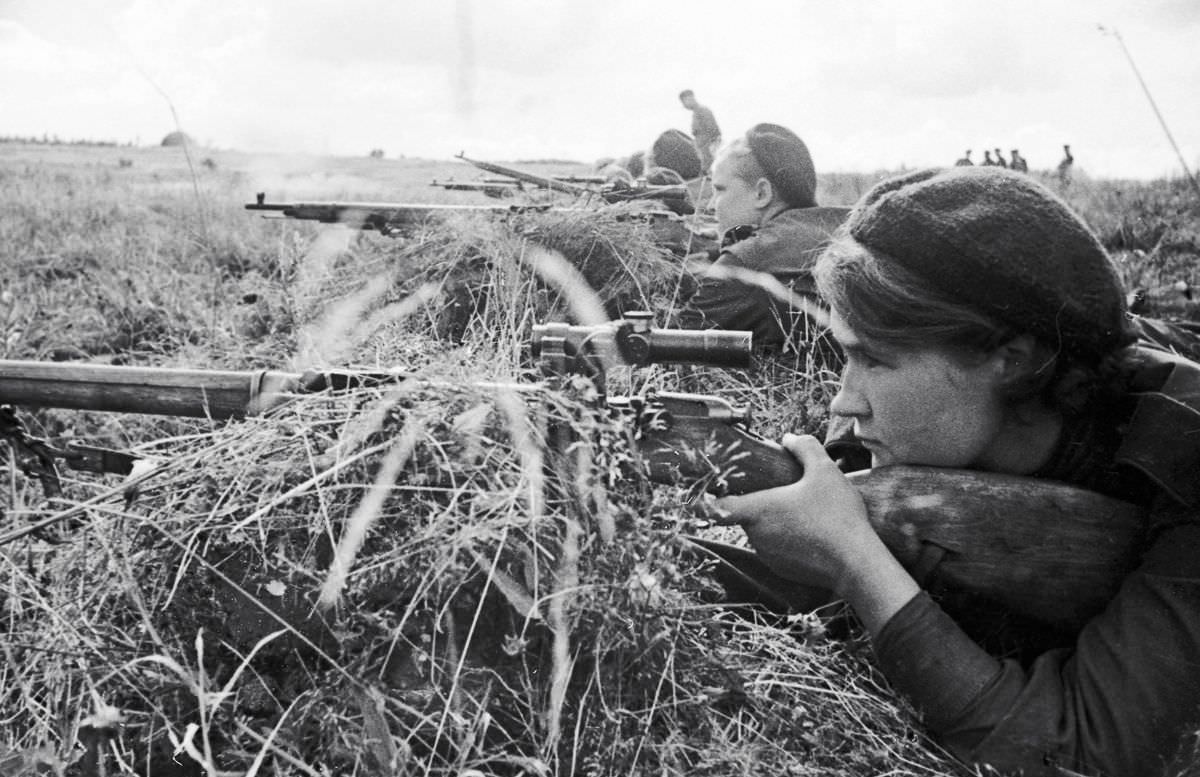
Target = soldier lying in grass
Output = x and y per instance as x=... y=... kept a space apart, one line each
x=985 y=328
x=764 y=193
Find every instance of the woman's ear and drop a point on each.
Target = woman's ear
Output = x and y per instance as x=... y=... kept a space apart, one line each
x=764 y=192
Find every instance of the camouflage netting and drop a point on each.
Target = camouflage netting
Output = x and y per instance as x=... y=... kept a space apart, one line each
x=401 y=581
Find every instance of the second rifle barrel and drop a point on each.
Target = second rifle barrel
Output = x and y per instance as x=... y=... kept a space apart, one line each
x=215 y=394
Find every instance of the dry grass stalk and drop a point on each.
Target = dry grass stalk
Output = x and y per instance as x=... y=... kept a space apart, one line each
x=492 y=605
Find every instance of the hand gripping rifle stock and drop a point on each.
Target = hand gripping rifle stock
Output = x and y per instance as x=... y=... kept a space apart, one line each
x=1047 y=550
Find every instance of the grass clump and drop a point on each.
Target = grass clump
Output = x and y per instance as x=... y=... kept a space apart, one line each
x=407 y=579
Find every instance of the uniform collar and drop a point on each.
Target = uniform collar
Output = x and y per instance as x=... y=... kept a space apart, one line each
x=1163 y=438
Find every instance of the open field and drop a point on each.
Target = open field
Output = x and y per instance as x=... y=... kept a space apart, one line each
x=401 y=579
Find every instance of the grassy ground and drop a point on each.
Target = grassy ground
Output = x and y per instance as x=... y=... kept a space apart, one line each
x=401 y=578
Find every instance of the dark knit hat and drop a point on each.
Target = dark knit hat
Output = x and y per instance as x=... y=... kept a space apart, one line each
x=785 y=162
x=999 y=241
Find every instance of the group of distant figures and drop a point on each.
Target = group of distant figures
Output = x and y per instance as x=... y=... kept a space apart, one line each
x=995 y=158
x=1017 y=162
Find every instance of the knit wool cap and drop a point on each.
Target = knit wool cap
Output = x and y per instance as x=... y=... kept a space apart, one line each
x=1004 y=244
x=785 y=162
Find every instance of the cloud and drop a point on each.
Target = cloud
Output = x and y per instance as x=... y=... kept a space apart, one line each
x=867 y=84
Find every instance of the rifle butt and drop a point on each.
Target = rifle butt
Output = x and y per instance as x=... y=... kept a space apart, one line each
x=1048 y=550
x=1051 y=551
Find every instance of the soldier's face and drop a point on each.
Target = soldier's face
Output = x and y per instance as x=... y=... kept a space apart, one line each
x=922 y=405
x=734 y=199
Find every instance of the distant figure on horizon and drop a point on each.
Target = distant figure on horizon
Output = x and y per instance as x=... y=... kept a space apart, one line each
x=987 y=159
x=965 y=161
x=705 y=132
x=1064 y=167
x=1000 y=159
x=1018 y=163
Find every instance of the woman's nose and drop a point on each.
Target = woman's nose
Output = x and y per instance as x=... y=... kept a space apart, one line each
x=849 y=401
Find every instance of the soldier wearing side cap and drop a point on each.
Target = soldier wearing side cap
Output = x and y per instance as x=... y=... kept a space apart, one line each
x=764 y=189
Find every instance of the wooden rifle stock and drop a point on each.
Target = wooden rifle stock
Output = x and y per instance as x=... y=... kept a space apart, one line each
x=1048 y=550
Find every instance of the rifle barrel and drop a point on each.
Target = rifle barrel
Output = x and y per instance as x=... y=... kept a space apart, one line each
x=215 y=394
x=546 y=182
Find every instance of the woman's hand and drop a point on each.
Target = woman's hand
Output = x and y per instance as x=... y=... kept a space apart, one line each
x=806 y=531
x=815 y=531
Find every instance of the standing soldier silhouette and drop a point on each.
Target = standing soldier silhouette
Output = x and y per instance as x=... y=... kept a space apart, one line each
x=1064 y=167
x=705 y=132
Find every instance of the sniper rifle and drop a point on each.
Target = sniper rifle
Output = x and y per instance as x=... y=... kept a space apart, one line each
x=1048 y=550
x=394 y=219
x=1054 y=552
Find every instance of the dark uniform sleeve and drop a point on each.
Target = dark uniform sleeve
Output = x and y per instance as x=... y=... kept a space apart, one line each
x=1116 y=704
x=727 y=303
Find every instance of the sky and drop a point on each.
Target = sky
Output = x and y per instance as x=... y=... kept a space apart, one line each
x=869 y=85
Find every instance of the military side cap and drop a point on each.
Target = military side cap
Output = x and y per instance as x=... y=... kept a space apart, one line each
x=785 y=162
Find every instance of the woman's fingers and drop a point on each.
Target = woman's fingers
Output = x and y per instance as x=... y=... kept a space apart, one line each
x=807 y=449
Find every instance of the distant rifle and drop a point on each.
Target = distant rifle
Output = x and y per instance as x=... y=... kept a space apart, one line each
x=540 y=181
x=676 y=197
x=1048 y=550
x=393 y=219
x=586 y=179
x=490 y=188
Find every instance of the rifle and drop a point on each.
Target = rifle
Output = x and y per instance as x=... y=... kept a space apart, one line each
x=540 y=181
x=1048 y=550
x=1051 y=551
x=675 y=197
x=490 y=188
x=394 y=219
x=214 y=394
x=597 y=179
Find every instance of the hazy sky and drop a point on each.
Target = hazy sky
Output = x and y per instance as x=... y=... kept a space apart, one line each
x=868 y=85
